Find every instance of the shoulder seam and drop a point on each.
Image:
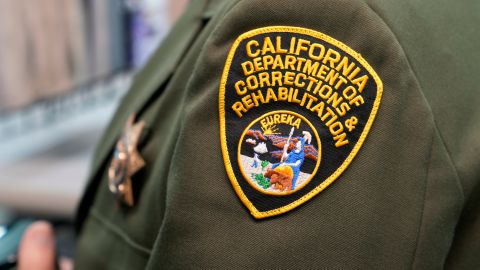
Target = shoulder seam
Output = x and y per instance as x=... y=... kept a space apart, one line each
x=119 y=233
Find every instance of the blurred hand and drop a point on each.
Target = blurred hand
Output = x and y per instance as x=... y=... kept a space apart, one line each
x=37 y=248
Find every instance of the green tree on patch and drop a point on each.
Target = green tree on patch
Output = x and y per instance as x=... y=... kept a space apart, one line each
x=261 y=180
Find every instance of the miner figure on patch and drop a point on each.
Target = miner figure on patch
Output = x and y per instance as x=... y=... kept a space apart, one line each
x=276 y=154
x=284 y=174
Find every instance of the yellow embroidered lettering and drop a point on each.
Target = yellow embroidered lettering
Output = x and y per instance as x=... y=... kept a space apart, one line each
x=252 y=82
x=350 y=92
x=290 y=94
x=267 y=46
x=239 y=109
x=249 y=46
x=341 y=80
x=331 y=56
x=277 y=78
x=325 y=92
x=267 y=61
x=354 y=73
x=264 y=79
x=329 y=113
x=294 y=97
x=278 y=63
x=316 y=51
x=311 y=99
x=290 y=62
x=343 y=109
x=279 y=48
x=247 y=102
x=292 y=45
x=340 y=140
x=361 y=82
x=297 y=80
x=282 y=93
x=335 y=100
x=288 y=78
x=300 y=62
x=310 y=67
x=301 y=45
x=358 y=100
x=345 y=66
x=296 y=123
x=247 y=68
x=258 y=97
x=321 y=73
x=270 y=95
x=311 y=83
x=257 y=63
x=331 y=77
x=318 y=109
x=317 y=88
x=240 y=88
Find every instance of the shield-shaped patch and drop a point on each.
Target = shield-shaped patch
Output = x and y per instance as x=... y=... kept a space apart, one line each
x=295 y=107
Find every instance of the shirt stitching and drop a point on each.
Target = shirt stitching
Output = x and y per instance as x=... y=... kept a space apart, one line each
x=118 y=232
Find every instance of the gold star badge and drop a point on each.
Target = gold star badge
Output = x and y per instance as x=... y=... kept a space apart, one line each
x=126 y=162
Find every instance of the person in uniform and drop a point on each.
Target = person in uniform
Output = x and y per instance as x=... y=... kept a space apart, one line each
x=389 y=91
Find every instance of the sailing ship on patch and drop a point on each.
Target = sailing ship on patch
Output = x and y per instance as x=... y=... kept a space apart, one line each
x=279 y=153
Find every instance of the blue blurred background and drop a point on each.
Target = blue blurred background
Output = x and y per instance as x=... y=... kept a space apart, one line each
x=64 y=65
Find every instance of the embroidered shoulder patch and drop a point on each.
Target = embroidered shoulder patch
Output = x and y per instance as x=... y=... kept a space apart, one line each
x=295 y=107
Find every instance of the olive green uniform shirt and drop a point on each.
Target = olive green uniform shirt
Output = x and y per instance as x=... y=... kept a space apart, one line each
x=409 y=200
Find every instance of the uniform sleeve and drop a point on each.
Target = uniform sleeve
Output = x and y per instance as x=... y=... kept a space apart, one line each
x=394 y=203
x=314 y=134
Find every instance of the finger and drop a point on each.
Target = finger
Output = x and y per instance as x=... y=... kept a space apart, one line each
x=37 y=248
x=65 y=263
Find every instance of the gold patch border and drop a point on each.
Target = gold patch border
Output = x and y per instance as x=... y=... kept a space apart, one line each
x=316 y=166
x=223 y=138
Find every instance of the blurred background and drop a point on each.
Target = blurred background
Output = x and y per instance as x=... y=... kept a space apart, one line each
x=64 y=65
